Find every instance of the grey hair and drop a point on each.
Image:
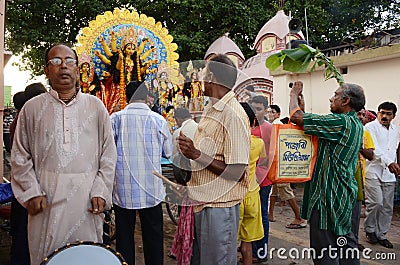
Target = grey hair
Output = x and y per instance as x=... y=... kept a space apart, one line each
x=356 y=95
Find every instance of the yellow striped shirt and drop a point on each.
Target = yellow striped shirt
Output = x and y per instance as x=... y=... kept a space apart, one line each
x=223 y=134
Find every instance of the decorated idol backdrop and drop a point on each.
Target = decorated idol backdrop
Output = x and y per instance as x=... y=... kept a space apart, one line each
x=122 y=46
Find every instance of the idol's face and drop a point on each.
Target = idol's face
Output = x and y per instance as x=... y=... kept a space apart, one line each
x=85 y=67
x=129 y=49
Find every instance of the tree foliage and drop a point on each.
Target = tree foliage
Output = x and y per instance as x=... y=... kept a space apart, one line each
x=331 y=22
x=33 y=25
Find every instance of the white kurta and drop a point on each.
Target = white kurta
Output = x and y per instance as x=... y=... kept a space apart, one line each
x=67 y=153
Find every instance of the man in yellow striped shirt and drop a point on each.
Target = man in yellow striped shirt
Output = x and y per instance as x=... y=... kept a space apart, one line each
x=220 y=155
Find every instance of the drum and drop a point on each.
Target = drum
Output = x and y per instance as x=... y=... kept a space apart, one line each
x=84 y=253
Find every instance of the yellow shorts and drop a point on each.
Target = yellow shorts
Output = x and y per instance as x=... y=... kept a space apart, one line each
x=250 y=222
x=284 y=190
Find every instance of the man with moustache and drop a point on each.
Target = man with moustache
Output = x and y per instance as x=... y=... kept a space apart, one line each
x=63 y=160
x=220 y=154
x=330 y=196
x=380 y=178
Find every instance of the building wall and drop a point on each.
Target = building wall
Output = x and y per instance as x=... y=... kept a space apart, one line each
x=376 y=70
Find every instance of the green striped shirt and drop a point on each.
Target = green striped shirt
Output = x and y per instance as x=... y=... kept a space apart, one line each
x=333 y=188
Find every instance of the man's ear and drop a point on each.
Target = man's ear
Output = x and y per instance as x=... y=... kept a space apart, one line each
x=346 y=101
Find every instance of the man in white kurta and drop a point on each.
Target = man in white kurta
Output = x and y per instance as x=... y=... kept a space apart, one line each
x=63 y=152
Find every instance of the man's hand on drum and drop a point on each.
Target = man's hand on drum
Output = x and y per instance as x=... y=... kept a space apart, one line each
x=36 y=205
x=98 y=205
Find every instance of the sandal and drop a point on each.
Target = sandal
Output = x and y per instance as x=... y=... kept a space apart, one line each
x=386 y=243
x=296 y=226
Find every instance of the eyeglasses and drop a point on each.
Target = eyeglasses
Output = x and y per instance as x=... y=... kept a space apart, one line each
x=58 y=61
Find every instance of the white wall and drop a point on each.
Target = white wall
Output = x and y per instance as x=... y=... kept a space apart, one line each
x=380 y=80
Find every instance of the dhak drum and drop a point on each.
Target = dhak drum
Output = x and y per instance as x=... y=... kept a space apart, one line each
x=84 y=253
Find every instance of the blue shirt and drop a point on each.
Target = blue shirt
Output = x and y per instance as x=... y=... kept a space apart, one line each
x=142 y=137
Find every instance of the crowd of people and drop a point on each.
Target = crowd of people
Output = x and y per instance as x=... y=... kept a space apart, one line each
x=71 y=161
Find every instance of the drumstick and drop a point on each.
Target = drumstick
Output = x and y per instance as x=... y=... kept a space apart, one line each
x=165 y=179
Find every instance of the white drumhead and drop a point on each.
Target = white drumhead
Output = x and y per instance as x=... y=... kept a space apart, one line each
x=84 y=255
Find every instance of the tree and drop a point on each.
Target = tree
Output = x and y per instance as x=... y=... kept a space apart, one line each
x=193 y=24
x=196 y=24
x=332 y=22
x=47 y=22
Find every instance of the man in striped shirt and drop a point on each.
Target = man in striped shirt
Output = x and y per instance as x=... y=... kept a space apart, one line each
x=142 y=137
x=220 y=154
x=7 y=120
x=331 y=194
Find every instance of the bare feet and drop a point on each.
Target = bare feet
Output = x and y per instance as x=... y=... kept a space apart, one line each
x=271 y=218
x=299 y=221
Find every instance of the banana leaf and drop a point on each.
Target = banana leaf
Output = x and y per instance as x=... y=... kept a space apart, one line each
x=273 y=61
x=298 y=60
x=294 y=65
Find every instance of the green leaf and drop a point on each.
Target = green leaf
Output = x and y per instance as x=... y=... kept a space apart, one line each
x=298 y=60
x=273 y=62
x=313 y=67
x=340 y=79
x=307 y=48
x=307 y=59
x=297 y=54
x=294 y=66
